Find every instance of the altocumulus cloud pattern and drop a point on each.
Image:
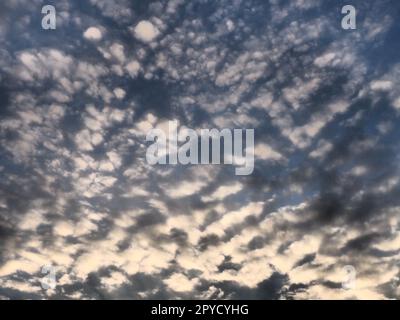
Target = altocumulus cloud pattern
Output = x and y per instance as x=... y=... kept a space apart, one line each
x=77 y=193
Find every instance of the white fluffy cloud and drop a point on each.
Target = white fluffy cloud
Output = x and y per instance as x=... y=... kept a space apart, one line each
x=146 y=31
x=93 y=33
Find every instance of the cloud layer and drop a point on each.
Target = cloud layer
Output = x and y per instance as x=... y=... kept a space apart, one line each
x=76 y=191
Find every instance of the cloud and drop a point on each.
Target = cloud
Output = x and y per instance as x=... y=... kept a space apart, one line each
x=93 y=33
x=77 y=192
x=146 y=31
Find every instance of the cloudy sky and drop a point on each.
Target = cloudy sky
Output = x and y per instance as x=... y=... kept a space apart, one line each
x=76 y=191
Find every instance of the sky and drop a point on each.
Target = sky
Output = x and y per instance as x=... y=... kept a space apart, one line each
x=77 y=194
